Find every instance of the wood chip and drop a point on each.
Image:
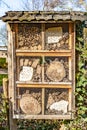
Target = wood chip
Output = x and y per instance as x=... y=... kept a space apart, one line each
x=35 y=63
x=35 y=48
x=26 y=62
x=38 y=70
x=39 y=47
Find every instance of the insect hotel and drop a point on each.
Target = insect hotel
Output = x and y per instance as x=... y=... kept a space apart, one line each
x=41 y=63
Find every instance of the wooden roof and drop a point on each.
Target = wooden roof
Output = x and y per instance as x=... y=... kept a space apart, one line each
x=22 y=16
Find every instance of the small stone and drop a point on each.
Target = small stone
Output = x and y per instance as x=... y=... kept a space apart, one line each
x=60 y=106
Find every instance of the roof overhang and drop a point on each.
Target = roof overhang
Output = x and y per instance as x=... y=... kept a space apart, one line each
x=44 y=16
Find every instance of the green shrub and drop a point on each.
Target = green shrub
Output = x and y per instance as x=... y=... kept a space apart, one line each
x=3 y=112
x=1 y=78
x=3 y=63
x=39 y=124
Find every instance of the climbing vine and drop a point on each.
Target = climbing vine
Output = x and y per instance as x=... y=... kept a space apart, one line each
x=80 y=121
x=81 y=77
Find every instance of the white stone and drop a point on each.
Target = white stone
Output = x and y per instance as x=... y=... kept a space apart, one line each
x=53 y=35
x=26 y=74
x=60 y=106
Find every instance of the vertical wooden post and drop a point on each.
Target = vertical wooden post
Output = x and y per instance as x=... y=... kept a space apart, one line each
x=13 y=72
x=70 y=100
x=43 y=89
x=43 y=35
x=70 y=66
x=17 y=63
x=73 y=68
x=5 y=91
x=12 y=122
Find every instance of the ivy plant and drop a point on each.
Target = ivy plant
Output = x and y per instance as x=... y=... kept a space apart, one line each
x=80 y=121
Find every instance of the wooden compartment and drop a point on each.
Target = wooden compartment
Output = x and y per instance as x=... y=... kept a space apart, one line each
x=29 y=36
x=29 y=69
x=56 y=69
x=29 y=101
x=57 y=37
x=56 y=101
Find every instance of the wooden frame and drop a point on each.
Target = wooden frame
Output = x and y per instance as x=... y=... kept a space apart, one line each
x=16 y=53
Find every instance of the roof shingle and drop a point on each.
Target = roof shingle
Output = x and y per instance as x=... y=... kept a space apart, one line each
x=27 y=16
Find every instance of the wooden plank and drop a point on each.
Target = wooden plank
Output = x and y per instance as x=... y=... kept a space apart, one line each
x=13 y=72
x=70 y=35
x=5 y=90
x=70 y=60
x=73 y=70
x=43 y=89
x=50 y=21
x=50 y=83
x=70 y=68
x=24 y=85
x=18 y=100
x=10 y=60
x=42 y=51
x=43 y=101
x=49 y=53
x=16 y=35
x=58 y=83
x=41 y=116
x=70 y=100
x=43 y=35
x=12 y=123
x=16 y=64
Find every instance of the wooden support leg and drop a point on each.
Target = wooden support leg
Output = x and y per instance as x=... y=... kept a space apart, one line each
x=12 y=122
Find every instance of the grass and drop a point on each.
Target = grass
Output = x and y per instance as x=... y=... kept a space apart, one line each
x=1 y=78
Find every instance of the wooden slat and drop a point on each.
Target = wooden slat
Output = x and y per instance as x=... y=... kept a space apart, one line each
x=70 y=35
x=42 y=116
x=74 y=73
x=70 y=100
x=30 y=82
x=16 y=35
x=10 y=60
x=43 y=35
x=70 y=68
x=50 y=21
x=17 y=62
x=43 y=89
x=43 y=101
x=12 y=123
x=70 y=47
x=13 y=72
x=33 y=85
x=43 y=53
